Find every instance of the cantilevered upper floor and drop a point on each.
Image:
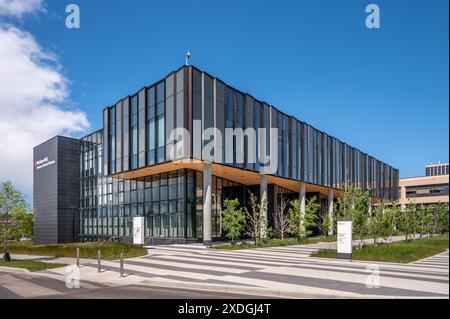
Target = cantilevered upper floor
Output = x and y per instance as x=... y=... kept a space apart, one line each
x=137 y=138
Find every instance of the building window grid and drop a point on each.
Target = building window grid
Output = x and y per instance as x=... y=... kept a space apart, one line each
x=319 y=159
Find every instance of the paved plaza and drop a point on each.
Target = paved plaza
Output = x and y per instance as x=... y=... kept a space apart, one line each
x=287 y=272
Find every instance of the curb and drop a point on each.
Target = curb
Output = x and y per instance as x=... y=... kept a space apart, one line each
x=272 y=293
x=258 y=291
x=429 y=257
x=15 y=270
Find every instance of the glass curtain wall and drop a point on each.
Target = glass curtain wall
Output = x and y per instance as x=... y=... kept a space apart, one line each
x=304 y=152
x=172 y=203
x=145 y=119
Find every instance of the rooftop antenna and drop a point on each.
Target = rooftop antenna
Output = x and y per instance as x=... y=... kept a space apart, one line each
x=188 y=56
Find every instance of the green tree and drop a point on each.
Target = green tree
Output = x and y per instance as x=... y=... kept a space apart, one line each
x=12 y=204
x=398 y=219
x=345 y=203
x=375 y=223
x=324 y=223
x=360 y=214
x=353 y=204
x=256 y=218
x=233 y=219
x=281 y=219
x=381 y=224
x=301 y=224
x=442 y=217
x=26 y=224
x=424 y=218
x=406 y=221
x=389 y=221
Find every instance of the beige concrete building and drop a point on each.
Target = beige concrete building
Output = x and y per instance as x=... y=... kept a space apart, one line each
x=424 y=189
x=436 y=169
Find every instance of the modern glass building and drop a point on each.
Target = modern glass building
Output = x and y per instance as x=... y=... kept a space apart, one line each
x=126 y=168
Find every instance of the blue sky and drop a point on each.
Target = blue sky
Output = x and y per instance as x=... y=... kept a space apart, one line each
x=384 y=90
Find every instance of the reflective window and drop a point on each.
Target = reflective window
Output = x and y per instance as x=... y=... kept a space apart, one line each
x=151 y=114
x=134 y=133
x=141 y=128
x=125 y=140
x=249 y=123
x=112 y=139
x=180 y=99
x=196 y=113
x=160 y=123
x=169 y=113
x=229 y=123
x=238 y=118
x=220 y=116
x=281 y=146
x=257 y=125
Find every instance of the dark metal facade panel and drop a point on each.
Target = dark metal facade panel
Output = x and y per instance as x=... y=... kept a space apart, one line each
x=304 y=152
x=56 y=190
x=106 y=141
x=126 y=132
x=45 y=193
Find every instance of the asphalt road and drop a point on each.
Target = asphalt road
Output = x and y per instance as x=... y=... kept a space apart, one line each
x=145 y=292
x=14 y=286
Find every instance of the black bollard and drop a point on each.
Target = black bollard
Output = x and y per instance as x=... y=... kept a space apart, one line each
x=7 y=257
x=99 y=260
x=121 y=265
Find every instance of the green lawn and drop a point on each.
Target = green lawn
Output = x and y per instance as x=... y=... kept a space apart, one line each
x=274 y=242
x=87 y=250
x=399 y=252
x=31 y=265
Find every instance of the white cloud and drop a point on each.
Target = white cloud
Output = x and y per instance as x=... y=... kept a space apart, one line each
x=32 y=92
x=17 y=8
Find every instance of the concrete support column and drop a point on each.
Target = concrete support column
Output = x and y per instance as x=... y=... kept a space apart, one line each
x=263 y=198
x=302 y=199
x=330 y=210
x=207 y=183
x=402 y=198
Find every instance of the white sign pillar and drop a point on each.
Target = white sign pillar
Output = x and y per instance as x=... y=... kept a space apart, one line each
x=207 y=200
x=302 y=198
x=330 y=211
x=138 y=230
x=344 y=239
